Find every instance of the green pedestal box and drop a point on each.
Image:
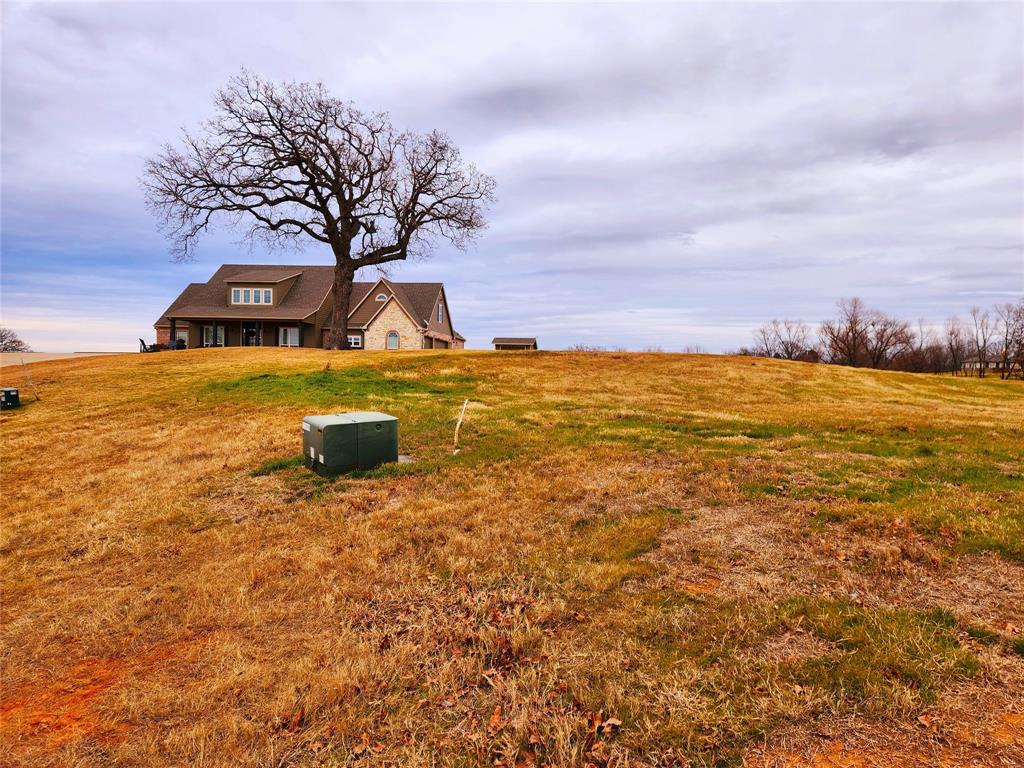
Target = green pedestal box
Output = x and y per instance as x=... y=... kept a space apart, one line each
x=9 y=398
x=341 y=442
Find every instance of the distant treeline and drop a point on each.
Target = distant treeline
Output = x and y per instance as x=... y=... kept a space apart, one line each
x=988 y=342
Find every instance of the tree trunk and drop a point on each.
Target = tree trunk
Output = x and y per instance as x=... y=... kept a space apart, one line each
x=341 y=295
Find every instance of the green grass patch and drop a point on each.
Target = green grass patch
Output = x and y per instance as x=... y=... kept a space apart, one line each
x=1017 y=646
x=276 y=465
x=982 y=635
x=894 y=656
x=342 y=388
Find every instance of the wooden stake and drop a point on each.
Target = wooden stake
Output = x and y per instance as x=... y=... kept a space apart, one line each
x=29 y=377
x=458 y=426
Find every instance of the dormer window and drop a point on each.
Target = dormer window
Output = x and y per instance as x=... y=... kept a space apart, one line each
x=252 y=296
x=381 y=297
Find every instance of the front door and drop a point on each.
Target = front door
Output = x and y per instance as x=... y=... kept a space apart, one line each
x=250 y=335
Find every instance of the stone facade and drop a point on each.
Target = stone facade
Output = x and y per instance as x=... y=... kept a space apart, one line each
x=393 y=318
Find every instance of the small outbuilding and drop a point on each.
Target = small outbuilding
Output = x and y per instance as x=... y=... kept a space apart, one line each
x=514 y=343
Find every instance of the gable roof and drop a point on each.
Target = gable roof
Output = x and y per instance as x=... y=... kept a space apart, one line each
x=311 y=289
x=417 y=299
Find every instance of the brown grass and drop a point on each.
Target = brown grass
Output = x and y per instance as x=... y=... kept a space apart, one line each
x=633 y=560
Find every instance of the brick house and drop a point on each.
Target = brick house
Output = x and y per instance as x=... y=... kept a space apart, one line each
x=290 y=306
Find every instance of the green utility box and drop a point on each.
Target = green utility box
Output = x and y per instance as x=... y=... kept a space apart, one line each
x=9 y=398
x=341 y=442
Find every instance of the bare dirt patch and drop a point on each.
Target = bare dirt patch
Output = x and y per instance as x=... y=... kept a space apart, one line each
x=64 y=708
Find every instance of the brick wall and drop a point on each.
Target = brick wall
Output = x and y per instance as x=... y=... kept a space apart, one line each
x=392 y=318
x=163 y=335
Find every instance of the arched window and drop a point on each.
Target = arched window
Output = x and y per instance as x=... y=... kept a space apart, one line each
x=393 y=340
x=381 y=297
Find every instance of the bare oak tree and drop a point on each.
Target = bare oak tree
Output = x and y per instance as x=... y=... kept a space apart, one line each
x=11 y=342
x=290 y=163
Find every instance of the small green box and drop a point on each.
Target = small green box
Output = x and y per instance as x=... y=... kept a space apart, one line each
x=9 y=398
x=341 y=442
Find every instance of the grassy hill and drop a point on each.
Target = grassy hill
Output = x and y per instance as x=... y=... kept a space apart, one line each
x=632 y=560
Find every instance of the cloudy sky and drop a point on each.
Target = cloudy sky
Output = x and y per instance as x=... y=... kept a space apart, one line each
x=668 y=174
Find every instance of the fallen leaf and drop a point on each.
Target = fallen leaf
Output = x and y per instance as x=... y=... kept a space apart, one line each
x=362 y=746
x=495 y=723
x=611 y=722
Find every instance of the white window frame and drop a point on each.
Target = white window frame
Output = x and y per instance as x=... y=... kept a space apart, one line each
x=208 y=336
x=381 y=297
x=398 y=340
x=285 y=335
x=440 y=311
x=356 y=342
x=243 y=296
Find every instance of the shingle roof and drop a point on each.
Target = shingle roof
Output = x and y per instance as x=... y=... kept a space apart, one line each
x=513 y=340
x=416 y=298
x=264 y=275
x=209 y=300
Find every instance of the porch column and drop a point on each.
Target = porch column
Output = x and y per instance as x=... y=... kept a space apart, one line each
x=171 y=342
x=300 y=332
x=259 y=333
x=213 y=341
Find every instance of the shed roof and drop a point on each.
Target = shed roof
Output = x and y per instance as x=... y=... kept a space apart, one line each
x=513 y=340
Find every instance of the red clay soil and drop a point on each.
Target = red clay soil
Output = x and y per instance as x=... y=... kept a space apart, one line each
x=64 y=709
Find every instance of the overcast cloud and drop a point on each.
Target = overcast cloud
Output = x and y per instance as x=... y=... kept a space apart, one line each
x=668 y=174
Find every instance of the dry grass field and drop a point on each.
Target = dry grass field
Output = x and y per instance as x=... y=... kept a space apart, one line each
x=642 y=560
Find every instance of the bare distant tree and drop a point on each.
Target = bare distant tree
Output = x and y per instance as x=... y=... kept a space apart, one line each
x=765 y=344
x=956 y=343
x=984 y=329
x=1009 y=337
x=291 y=163
x=11 y=342
x=886 y=338
x=844 y=339
x=783 y=339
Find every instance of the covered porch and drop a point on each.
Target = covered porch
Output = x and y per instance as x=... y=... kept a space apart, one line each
x=197 y=333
